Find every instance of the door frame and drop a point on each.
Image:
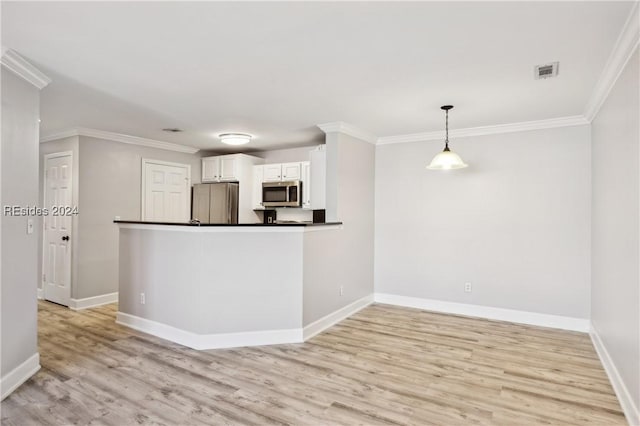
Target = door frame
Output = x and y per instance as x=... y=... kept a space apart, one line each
x=74 y=220
x=143 y=180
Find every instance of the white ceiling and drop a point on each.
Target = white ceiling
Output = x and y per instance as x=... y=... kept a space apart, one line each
x=275 y=70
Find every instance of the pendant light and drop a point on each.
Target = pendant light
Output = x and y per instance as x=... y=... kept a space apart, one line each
x=447 y=159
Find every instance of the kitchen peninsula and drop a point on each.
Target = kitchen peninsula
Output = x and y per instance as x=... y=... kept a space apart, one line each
x=215 y=286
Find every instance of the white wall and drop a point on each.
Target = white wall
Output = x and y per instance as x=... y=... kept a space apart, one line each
x=615 y=292
x=515 y=224
x=110 y=185
x=342 y=257
x=290 y=155
x=19 y=172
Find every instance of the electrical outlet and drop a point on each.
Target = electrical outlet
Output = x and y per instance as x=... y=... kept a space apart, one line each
x=142 y=299
x=467 y=287
x=341 y=290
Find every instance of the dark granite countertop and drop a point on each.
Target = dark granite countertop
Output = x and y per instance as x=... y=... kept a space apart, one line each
x=140 y=222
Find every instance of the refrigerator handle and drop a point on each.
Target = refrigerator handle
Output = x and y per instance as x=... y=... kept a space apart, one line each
x=229 y=218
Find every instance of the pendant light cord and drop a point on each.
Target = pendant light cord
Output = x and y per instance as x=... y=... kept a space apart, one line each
x=446 y=139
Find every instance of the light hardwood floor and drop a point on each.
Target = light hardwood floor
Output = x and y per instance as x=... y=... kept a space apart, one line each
x=384 y=365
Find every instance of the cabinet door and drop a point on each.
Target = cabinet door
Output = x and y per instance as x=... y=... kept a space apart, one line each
x=291 y=171
x=272 y=173
x=210 y=169
x=306 y=185
x=318 y=158
x=228 y=168
x=256 y=192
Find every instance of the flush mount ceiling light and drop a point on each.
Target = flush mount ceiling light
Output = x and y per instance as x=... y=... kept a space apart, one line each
x=235 y=138
x=447 y=159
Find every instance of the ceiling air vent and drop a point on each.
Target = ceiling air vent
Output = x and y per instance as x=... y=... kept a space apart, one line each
x=172 y=130
x=546 y=70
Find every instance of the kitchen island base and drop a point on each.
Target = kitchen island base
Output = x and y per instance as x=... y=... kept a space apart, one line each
x=219 y=287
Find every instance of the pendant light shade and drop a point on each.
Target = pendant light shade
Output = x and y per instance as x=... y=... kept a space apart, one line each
x=447 y=159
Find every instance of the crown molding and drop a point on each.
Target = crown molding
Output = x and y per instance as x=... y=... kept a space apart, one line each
x=576 y=120
x=118 y=137
x=22 y=68
x=60 y=135
x=622 y=51
x=348 y=129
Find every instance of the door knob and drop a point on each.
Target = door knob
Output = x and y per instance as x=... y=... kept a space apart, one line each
x=65 y=238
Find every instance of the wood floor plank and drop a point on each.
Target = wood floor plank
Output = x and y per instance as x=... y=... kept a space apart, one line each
x=385 y=365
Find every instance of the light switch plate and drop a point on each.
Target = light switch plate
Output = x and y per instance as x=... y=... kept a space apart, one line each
x=29 y=226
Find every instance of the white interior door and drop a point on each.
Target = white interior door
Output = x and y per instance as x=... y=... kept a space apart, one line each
x=56 y=259
x=166 y=191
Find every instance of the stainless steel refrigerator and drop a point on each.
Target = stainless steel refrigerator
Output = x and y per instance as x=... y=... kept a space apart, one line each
x=215 y=203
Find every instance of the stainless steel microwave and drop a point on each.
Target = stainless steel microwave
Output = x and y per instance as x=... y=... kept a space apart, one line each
x=282 y=194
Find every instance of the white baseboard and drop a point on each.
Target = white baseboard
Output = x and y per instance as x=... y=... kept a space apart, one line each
x=210 y=341
x=501 y=314
x=92 y=302
x=246 y=338
x=631 y=410
x=40 y=294
x=19 y=375
x=327 y=321
x=250 y=338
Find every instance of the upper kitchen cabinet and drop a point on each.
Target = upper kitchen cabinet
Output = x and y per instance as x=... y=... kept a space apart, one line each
x=281 y=172
x=272 y=173
x=318 y=173
x=210 y=169
x=291 y=171
x=225 y=168
x=258 y=173
x=305 y=177
x=234 y=168
x=229 y=168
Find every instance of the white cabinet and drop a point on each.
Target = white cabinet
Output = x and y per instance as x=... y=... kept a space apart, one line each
x=210 y=168
x=291 y=171
x=223 y=168
x=256 y=192
x=318 y=158
x=272 y=173
x=281 y=172
x=305 y=177
x=235 y=168
x=229 y=168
